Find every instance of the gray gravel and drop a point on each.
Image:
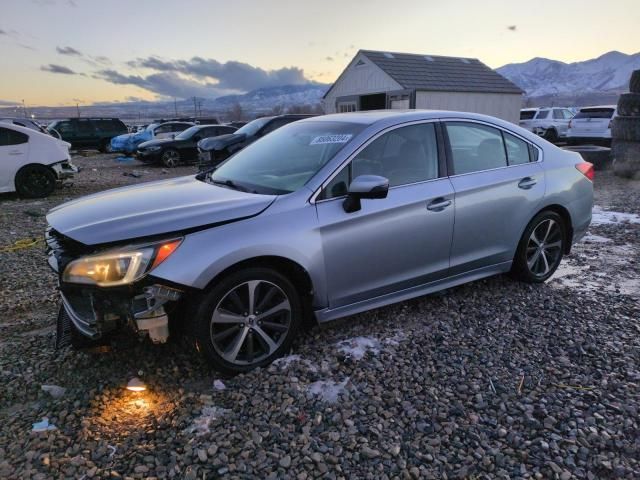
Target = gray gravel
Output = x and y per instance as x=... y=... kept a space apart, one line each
x=494 y=379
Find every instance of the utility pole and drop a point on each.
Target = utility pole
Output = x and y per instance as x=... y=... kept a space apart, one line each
x=78 y=109
x=24 y=109
x=195 y=108
x=175 y=106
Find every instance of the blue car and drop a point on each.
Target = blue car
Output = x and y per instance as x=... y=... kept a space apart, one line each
x=128 y=142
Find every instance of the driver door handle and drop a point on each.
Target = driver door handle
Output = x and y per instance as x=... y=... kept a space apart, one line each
x=526 y=183
x=438 y=204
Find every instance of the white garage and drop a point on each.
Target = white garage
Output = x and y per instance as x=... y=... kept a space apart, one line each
x=376 y=80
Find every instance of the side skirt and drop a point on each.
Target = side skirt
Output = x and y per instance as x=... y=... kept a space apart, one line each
x=328 y=314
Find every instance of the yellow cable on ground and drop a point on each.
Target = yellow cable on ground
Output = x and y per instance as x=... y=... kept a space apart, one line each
x=22 y=244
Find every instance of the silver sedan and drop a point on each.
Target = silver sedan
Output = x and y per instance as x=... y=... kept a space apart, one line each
x=322 y=219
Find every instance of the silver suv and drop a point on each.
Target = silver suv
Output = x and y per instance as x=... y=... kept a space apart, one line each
x=550 y=123
x=323 y=218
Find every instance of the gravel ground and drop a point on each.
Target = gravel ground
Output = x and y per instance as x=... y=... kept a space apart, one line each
x=494 y=379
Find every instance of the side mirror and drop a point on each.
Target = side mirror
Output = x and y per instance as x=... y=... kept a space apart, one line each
x=365 y=186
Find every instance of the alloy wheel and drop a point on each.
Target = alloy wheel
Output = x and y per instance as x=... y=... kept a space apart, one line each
x=170 y=158
x=544 y=248
x=37 y=182
x=250 y=322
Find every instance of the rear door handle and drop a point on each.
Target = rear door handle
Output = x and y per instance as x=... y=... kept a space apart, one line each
x=526 y=183
x=438 y=204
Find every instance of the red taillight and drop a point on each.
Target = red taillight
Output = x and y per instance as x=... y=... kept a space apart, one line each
x=586 y=169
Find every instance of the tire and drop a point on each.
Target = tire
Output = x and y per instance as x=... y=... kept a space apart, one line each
x=626 y=159
x=170 y=158
x=629 y=105
x=232 y=336
x=626 y=128
x=535 y=261
x=551 y=135
x=35 y=181
x=634 y=82
x=105 y=146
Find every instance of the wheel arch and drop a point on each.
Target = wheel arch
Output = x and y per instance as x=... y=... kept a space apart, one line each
x=291 y=269
x=33 y=164
x=566 y=217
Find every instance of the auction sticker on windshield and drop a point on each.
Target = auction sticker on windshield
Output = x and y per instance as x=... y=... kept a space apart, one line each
x=323 y=139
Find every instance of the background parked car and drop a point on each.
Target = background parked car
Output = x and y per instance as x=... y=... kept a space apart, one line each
x=31 y=162
x=128 y=143
x=214 y=150
x=25 y=122
x=183 y=148
x=88 y=132
x=550 y=123
x=592 y=125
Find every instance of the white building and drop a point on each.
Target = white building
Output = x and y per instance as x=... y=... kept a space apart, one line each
x=377 y=80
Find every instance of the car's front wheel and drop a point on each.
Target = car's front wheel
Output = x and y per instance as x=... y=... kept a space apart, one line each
x=170 y=158
x=35 y=181
x=248 y=320
x=541 y=248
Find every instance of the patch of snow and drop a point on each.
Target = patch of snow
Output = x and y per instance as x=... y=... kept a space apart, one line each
x=358 y=347
x=43 y=426
x=327 y=390
x=395 y=340
x=595 y=239
x=610 y=217
x=200 y=425
x=219 y=385
x=284 y=362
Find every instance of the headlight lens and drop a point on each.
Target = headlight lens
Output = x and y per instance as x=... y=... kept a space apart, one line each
x=154 y=149
x=119 y=267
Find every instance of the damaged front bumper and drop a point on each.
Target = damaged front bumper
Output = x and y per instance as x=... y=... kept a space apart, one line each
x=95 y=311
x=65 y=171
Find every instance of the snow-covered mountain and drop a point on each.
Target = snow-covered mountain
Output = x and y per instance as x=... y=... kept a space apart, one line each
x=266 y=99
x=607 y=74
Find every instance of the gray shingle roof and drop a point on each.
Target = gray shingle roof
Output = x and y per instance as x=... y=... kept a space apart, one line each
x=431 y=72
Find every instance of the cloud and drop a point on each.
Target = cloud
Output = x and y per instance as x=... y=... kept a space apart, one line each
x=9 y=103
x=329 y=59
x=199 y=76
x=68 y=51
x=52 y=68
x=3 y=32
x=164 y=84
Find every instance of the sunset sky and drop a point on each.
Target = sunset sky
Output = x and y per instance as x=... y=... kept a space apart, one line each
x=63 y=52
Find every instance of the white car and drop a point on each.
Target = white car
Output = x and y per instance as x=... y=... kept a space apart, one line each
x=32 y=163
x=550 y=123
x=592 y=125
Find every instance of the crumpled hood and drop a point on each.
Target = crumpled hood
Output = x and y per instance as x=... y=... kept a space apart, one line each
x=152 y=208
x=221 y=141
x=159 y=142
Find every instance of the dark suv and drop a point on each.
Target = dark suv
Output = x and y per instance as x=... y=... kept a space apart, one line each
x=88 y=132
x=215 y=149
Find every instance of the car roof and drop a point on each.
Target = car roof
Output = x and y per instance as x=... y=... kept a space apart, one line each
x=598 y=106
x=397 y=116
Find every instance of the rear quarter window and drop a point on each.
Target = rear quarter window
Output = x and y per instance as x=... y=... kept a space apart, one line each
x=11 y=137
x=527 y=114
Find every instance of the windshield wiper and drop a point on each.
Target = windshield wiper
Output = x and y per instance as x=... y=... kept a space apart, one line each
x=230 y=184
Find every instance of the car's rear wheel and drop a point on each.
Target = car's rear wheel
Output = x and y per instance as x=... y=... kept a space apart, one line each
x=35 y=181
x=170 y=158
x=551 y=135
x=248 y=320
x=105 y=147
x=541 y=248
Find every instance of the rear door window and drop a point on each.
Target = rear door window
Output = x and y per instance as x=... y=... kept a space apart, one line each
x=475 y=147
x=517 y=149
x=542 y=114
x=11 y=137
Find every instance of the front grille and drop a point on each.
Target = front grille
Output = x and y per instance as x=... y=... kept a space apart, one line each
x=63 y=248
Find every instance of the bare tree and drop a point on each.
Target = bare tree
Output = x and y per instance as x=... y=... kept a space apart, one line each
x=235 y=114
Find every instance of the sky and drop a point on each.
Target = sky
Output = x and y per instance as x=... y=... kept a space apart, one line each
x=63 y=52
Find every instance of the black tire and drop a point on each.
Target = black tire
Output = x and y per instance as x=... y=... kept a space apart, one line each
x=551 y=135
x=626 y=159
x=227 y=296
x=626 y=128
x=105 y=146
x=170 y=158
x=629 y=105
x=634 y=82
x=35 y=181
x=522 y=268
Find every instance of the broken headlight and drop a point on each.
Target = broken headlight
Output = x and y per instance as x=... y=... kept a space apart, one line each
x=119 y=267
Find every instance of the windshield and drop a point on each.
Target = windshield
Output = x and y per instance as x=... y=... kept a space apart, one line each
x=287 y=158
x=188 y=133
x=251 y=128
